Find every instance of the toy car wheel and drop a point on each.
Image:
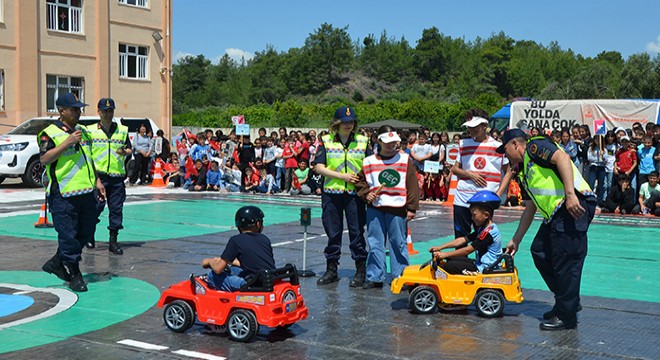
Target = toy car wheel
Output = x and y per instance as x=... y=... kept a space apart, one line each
x=489 y=303
x=179 y=316
x=423 y=300
x=242 y=325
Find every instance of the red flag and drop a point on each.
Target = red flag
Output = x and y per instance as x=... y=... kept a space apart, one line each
x=181 y=148
x=169 y=167
x=215 y=145
x=188 y=134
x=295 y=183
x=238 y=119
x=190 y=167
x=235 y=157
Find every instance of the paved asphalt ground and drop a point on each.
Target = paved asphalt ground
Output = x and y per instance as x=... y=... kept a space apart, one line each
x=169 y=232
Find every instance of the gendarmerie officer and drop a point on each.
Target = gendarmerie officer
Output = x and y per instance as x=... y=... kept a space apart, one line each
x=556 y=188
x=65 y=150
x=110 y=145
x=339 y=160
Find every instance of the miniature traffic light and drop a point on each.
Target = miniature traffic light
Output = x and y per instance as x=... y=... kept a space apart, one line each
x=305 y=216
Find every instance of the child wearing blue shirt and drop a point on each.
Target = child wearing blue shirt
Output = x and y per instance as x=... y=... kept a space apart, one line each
x=485 y=241
x=646 y=161
x=214 y=177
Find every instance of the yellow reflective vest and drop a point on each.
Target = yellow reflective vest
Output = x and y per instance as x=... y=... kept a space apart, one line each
x=104 y=150
x=344 y=160
x=545 y=187
x=74 y=169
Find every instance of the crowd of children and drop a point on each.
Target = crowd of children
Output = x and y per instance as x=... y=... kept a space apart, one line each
x=617 y=165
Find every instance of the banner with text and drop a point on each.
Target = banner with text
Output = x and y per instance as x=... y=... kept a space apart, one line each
x=557 y=114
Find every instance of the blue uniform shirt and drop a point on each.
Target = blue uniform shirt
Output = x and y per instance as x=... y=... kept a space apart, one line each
x=487 y=241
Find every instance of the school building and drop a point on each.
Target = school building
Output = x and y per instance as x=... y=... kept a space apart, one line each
x=93 y=48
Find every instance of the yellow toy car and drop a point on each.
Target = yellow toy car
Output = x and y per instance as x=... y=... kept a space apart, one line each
x=429 y=286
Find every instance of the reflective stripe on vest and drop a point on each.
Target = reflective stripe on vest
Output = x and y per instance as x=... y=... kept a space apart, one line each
x=345 y=160
x=74 y=170
x=104 y=150
x=546 y=188
x=394 y=196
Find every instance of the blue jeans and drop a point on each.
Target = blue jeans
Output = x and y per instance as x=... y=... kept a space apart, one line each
x=597 y=173
x=281 y=174
x=383 y=227
x=228 y=280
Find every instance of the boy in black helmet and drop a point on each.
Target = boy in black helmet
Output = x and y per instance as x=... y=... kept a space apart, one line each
x=248 y=252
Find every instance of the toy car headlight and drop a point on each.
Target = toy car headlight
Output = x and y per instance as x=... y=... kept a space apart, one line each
x=199 y=289
x=289 y=296
x=14 y=147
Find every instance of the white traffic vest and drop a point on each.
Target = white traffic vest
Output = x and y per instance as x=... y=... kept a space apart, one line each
x=388 y=196
x=481 y=158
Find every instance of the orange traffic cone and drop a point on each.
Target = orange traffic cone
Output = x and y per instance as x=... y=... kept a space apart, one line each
x=158 y=175
x=411 y=250
x=43 y=219
x=453 y=183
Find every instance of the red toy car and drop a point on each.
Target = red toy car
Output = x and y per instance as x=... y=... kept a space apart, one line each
x=270 y=298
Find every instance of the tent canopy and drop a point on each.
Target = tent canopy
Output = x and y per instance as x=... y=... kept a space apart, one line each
x=396 y=124
x=503 y=113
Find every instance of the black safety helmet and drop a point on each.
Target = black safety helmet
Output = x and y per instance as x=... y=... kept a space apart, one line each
x=248 y=216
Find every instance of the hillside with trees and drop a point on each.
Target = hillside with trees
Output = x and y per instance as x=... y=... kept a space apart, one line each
x=431 y=82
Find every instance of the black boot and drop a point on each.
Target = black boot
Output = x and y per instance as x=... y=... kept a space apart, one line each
x=54 y=266
x=114 y=246
x=330 y=275
x=91 y=244
x=360 y=273
x=76 y=284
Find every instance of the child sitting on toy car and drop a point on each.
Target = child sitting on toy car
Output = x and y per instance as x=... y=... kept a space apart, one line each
x=249 y=252
x=486 y=240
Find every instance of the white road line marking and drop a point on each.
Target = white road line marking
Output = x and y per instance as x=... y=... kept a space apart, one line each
x=198 y=355
x=295 y=241
x=301 y=240
x=142 y=345
x=31 y=212
x=66 y=299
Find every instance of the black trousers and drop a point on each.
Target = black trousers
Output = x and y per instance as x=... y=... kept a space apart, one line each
x=115 y=192
x=74 y=219
x=141 y=168
x=335 y=208
x=559 y=250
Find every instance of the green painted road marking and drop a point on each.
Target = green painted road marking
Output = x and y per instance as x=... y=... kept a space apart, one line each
x=108 y=302
x=615 y=267
x=161 y=220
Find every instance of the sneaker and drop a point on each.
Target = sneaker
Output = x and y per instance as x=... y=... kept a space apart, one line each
x=54 y=266
x=137 y=182
x=77 y=284
x=170 y=185
x=372 y=285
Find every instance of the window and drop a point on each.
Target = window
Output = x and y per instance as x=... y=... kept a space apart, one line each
x=139 y=3
x=133 y=61
x=2 y=90
x=59 y=84
x=65 y=15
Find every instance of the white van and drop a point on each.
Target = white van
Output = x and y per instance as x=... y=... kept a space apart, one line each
x=19 y=148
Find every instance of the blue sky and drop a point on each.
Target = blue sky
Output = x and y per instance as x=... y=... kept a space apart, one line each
x=241 y=28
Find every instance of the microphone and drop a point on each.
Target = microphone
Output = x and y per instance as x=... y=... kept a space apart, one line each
x=78 y=127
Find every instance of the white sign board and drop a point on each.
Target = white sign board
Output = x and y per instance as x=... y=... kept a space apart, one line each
x=432 y=167
x=158 y=145
x=243 y=129
x=452 y=153
x=558 y=114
